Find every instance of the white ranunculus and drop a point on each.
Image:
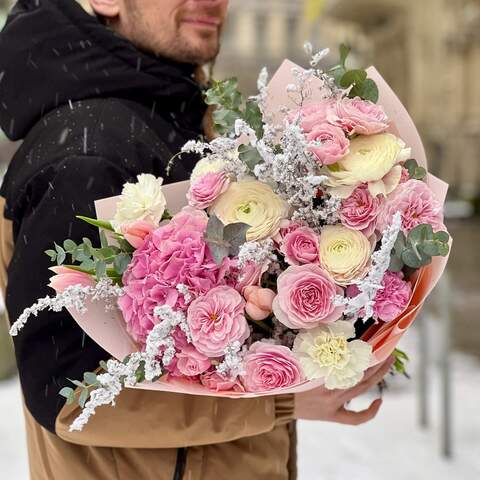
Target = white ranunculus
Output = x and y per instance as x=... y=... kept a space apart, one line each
x=207 y=165
x=143 y=200
x=324 y=352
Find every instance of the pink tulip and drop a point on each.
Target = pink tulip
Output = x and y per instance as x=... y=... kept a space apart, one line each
x=136 y=232
x=65 y=277
x=259 y=302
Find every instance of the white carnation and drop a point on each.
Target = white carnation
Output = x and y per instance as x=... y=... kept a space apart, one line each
x=324 y=352
x=143 y=200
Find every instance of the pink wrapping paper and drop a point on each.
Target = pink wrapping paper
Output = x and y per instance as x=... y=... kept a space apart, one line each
x=108 y=328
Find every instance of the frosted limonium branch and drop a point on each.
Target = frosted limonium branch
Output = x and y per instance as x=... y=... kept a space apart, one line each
x=259 y=253
x=372 y=283
x=232 y=364
x=122 y=374
x=243 y=128
x=74 y=296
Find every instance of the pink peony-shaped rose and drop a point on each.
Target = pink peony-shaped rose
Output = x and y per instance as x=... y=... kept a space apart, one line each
x=259 y=302
x=216 y=320
x=392 y=299
x=312 y=114
x=416 y=204
x=269 y=366
x=355 y=115
x=300 y=246
x=190 y=362
x=305 y=297
x=360 y=210
x=173 y=254
x=65 y=277
x=136 y=232
x=286 y=226
x=219 y=383
x=205 y=190
x=333 y=143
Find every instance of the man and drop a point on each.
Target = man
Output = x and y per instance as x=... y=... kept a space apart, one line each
x=98 y=101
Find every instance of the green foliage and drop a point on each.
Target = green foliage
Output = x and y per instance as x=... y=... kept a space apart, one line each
x=231 y=106
x=414 y=170
x=249 y=155
x=108 y=260
x=399 y=364
x=224 y=240
x=417 y=249
x=89 y=381
x=96 y=223
x=356 y=80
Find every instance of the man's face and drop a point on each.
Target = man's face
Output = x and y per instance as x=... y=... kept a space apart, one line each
x=183 y=30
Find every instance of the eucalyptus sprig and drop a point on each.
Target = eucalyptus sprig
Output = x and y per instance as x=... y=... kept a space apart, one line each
x=89 y=381
x=354 y=79
x=417 y=248
x=231 y=106
x=400 y=359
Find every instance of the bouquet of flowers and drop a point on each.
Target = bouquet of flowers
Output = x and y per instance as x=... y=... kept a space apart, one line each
x=297 y=255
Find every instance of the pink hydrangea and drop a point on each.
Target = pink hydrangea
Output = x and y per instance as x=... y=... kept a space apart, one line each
x=204 y=191
x=360 y=210
x=216 y=320
x=305 y=297
x=392 y=299
x=355 y=115
x=190 y=362
x=333 y=146
x=220 y=383
x=300 y=246
x=173 y=254
x=416 y=204
x=269 y=366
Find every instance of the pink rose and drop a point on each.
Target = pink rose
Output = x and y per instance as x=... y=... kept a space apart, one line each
x=390 y=301
x=417 y=205
x=259 y=302
x=204 y=191
x=405 y=176
x=216 y=320
x=300 y=246
x=190 y=362
x=360 y=210
x=355 y=115
x=250 y=274
x=66 y=277
x=219 y=383
x=286 y=226
x=269 y=366
x=305 y=297
x=334 y=143
x=136 y=232
x=172 y=254
x=312 y=115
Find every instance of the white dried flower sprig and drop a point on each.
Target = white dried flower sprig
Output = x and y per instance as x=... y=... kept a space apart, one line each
x=259 y=253
x=73 y=296
x=124 y=374
x=233 y=362
x=372 y=283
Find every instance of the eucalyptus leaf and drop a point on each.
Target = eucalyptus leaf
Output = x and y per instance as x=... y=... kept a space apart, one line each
x=368 y=90
x=69 y=245
x=219 y=252
x=214 y=229
x=353 y=77
x=121 y=262
x=442 y=236
x=82 y=399
x=236 y=235
x=89 y=378
x=344 y=52
x=52 y=254
x=66 y=392
x=250 y=156
x=100 y=268
x=253 y=117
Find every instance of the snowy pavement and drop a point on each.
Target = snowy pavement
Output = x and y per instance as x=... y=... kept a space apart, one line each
x=392 y=446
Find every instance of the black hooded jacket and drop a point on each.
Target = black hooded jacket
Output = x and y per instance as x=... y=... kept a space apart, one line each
x=93 y=112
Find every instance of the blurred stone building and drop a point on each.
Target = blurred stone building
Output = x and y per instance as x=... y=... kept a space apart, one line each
x=429 y=52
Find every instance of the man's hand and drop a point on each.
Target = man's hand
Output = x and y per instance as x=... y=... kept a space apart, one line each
x=328 y=405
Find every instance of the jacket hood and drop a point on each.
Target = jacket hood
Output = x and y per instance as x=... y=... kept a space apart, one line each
x=53 y=52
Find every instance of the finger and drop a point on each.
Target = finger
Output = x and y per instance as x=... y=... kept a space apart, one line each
x=348 y=417
x=368 y=383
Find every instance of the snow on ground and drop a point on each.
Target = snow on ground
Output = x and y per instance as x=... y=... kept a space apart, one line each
x=392 y=446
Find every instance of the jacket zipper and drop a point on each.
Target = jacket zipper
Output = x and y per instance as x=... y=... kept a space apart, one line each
x=180 y=464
